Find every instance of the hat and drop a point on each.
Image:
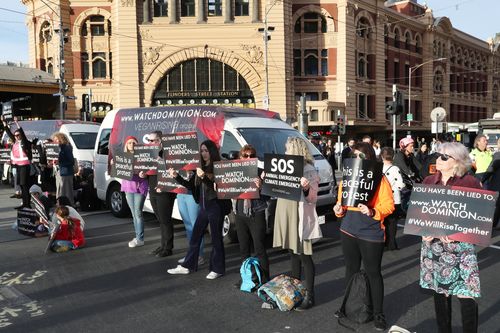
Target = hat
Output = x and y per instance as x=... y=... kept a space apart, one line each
x=35 y=189
x=404 y=142
x=130 y=137
x=316 y=136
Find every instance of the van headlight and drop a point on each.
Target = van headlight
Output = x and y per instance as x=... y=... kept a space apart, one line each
x=85 y=164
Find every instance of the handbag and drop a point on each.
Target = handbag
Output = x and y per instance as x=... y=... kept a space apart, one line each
x=283 y=291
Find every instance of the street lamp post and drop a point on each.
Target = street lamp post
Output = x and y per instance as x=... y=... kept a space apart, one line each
x=410 y=71
x=266 y=36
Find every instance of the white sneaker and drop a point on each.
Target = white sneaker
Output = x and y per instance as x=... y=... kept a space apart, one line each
x=135 y=243
x=178 y=270
x=213 y=275
x=181 y=260
x=201 y=261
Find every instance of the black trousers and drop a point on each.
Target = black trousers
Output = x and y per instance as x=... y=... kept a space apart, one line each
x=299 y=260
x=253 y=229
x=163 y=205
x=25 y=180
x=210 y=214
x=391 y=227
x=370 y=253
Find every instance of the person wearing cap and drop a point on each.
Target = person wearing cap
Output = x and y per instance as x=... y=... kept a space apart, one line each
x=135 y=191
x=406 y=161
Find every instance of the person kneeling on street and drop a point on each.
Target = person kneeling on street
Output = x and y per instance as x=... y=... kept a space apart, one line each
x=68 y=234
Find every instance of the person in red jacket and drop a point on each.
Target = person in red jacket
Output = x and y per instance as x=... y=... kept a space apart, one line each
x=68 y=235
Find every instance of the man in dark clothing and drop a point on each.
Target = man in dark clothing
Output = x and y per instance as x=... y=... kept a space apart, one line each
x=346 y=153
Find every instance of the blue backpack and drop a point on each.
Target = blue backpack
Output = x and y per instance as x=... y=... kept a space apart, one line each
x=251 y=275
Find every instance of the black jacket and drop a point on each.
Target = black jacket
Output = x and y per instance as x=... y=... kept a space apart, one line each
x=25 y=143
x=199 y=187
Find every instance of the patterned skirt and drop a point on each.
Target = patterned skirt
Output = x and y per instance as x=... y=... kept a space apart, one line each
x=449 y=269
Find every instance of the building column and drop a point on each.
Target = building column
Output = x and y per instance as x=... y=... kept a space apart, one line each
x=200 y=11
x=227 y=11
x=255 y=11
x=172 y=11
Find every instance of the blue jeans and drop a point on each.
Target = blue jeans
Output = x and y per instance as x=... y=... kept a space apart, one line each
x=62 y=246
x=136 y=203
x=189 y=210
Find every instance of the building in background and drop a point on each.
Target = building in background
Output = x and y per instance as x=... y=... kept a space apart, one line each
x=343 y=55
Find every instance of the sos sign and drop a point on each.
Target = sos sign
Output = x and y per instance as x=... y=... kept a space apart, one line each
x=282 y=176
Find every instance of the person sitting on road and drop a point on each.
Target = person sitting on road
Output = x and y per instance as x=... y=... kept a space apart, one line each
x=68 y=234
x=73 y=213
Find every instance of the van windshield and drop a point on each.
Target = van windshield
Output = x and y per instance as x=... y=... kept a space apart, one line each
x=272 y=141
x=84 y=140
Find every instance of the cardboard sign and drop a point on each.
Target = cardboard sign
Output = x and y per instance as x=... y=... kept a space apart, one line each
x=283 y=173
x=146 y=157
x=7 y=111
x=52 y=151
x=35 y=156
x=360 y=180
x=181 y=150
x=123 y=165
x=26 y=221
x=39 y=208
x=463 y=214
x=4 y=155
x=235 y=179
x=166 y=183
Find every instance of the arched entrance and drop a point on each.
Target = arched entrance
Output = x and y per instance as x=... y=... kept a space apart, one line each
x=203 y=81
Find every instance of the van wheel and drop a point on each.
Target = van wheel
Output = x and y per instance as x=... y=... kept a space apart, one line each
x=229 y=229
x=117 y=202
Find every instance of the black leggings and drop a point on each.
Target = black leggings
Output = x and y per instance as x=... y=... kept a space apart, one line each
x=370 y=253
x=303 y=259
x=163 y=205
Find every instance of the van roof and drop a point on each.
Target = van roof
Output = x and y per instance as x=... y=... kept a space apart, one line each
x=43 y=129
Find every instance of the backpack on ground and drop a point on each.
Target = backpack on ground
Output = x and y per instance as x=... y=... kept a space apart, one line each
x=251 y=274
x=283 y=291
x=357 y=307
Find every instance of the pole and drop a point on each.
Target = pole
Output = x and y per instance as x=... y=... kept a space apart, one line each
x=339 y=156
x=90 y=104
x=409 y=95
x=266 y=40
x=303 y=121
x=62 y=83
x=394 y=92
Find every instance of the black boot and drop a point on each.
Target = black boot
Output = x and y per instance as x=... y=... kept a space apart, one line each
x=442 y=305
x=469 y=315
x=307 y=302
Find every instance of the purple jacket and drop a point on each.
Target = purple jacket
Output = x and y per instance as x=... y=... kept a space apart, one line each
x=136 y=185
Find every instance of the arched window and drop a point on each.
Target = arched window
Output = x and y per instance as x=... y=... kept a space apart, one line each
x=46 y=32
x=407 y=40
x=310 y=23
x=97 y=25
x=363 y=28
x=396 y=38
x=96 y=67
x=50 y=67
x=362 y=66
x=494 y=94
x=160 y=8
x=96 y=51
x=438 y=81
x=386 y=34
x=418 y=44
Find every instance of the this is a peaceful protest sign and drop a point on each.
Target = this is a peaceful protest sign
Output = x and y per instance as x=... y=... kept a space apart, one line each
x=282 y=176
x=146 y=157
x=360 y=180
x=180 y=150
x=123 y=165
x=462 y=214
x=235 y=179
x=166 y=183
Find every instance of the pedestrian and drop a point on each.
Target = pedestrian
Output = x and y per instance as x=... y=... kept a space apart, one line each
x=367 y=139
x=135 y=191
x=250 y=219
x=481 y=156
x=20 y=156
x=394 y=177
x=64 y=167
x=491 y=181
x=162 y=204
x=296 y=222
x=362 y=236
x=316 y=141
x=346 y=153
x=204 y=193
x=450 y=267
x=68 y=234
x=409 y=166
x=422 y=155
x=331 y=155
x=376 y=148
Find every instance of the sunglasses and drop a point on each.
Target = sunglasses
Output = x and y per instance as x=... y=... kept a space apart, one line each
x=445 y=157
x=360 y=155
x=17 y=135
x=247 y=155
x=151 y=140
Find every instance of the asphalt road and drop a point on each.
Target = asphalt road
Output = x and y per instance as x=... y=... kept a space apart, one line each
x=107 y=287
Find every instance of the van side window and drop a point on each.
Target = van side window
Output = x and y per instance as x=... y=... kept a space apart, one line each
x=229 y=144
x=102 y=147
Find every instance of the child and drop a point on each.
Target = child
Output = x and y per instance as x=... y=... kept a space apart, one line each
x=68 y=235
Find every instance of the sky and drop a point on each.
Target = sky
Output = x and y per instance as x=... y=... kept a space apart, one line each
x=475 y=17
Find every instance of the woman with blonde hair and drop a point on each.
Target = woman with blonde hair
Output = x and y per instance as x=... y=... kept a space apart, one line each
x=64 y=167
x=296 y=222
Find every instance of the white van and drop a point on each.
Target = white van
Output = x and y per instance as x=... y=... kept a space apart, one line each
x=232 y=127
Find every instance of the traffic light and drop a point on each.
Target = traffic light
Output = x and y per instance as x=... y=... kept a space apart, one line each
x=341 y=124
x=390 y=107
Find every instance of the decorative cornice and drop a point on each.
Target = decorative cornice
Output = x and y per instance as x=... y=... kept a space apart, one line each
x=254 y=53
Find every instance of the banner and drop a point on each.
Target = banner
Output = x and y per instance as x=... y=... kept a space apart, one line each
x=26 y=221
x=7 y=111
x=282 y=176
x=360 y=180
x=39 y=208
x=123 y=165
x=4 y=155
x=463 y=214
x=166 y=183
x=146 y=157
x=52 y=151
x=235 y=179
x=181 y=150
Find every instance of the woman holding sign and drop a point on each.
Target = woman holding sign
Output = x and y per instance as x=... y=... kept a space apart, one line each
x=65 y=163
x=296 y=222
x=449 y=267
x=362 y=231
x=202 y=186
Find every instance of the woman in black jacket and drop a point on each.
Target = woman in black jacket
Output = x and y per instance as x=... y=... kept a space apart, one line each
x=202 y=186
x=64 y=167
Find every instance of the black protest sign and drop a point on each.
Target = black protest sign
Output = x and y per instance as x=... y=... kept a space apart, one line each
x=4 y=155
x=180 y=150
x=26 y=221
x=146 y=157
x=52 y=151
x=123 y=165
x=166 y=183
x=7 y=111
x=35 y=156
x=282 y=176
x=360 y=180
x=39 y=207
x=235 y=179
x=463 y=214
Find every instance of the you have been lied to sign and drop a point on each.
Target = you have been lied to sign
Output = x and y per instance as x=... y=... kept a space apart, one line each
x=462 y=214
